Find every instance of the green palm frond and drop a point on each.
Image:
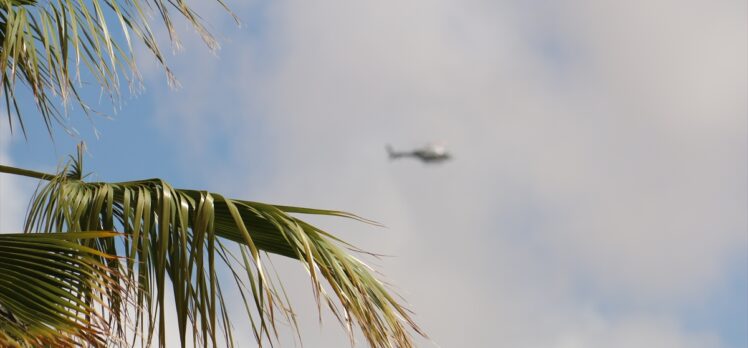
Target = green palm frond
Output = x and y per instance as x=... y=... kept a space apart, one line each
x=44 y=43
x=185 y=237
x=51 y=290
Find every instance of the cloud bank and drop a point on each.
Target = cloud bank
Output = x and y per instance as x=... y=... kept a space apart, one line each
x=598 y=190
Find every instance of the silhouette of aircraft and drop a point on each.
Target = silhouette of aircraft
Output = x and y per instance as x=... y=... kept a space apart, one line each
x=428 y=154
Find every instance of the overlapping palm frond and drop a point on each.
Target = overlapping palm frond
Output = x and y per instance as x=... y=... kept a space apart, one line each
x=55 y=292
x=183 y=238
x=44 y=42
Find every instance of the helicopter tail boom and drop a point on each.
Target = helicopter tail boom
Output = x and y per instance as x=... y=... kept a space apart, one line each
x=394 y=154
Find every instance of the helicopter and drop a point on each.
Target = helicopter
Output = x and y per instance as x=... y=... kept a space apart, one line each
x=431 y=153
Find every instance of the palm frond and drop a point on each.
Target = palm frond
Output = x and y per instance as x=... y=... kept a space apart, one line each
x=51 y=290
x=184 y=237
x=44 y=43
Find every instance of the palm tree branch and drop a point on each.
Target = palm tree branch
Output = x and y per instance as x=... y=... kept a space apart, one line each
x=185 y=237
x=51 y=290
x=40 y=38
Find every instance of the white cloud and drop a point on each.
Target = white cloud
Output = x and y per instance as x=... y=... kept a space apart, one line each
x=599 y=142
x=638 y=157
x=14 y=192
x=631 y=332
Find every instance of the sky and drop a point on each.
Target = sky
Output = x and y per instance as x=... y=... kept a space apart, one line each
x=598 y=193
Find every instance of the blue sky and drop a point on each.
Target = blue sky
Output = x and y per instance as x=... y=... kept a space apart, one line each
x=597 y=198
